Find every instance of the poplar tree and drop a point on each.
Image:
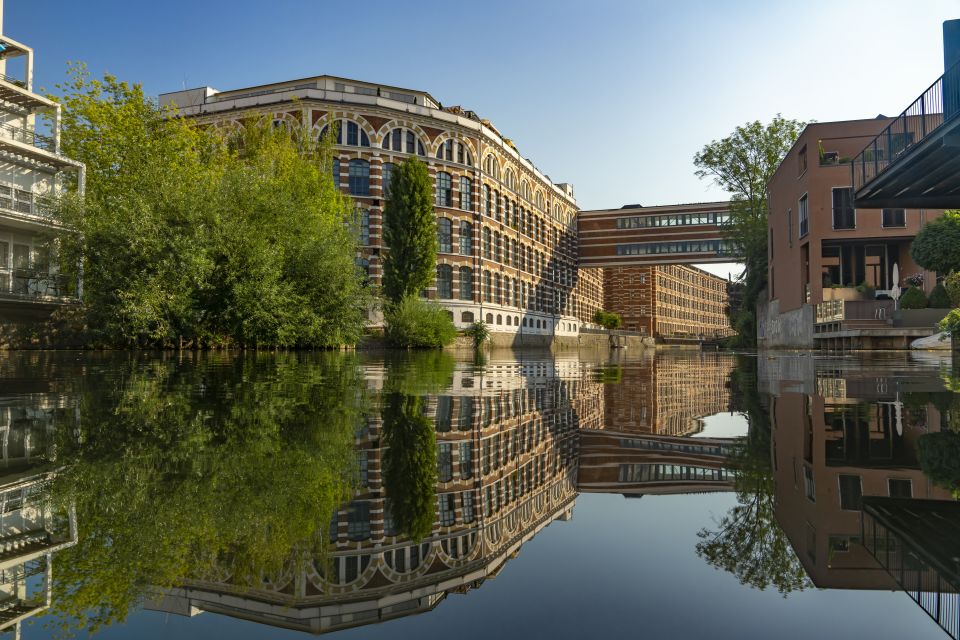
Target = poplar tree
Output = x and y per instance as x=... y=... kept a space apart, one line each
x=409 y=231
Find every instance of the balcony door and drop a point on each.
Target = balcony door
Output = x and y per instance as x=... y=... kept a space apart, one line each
x=876 y=266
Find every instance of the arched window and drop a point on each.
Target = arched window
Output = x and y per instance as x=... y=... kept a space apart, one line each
x=467 y=317
x=404 y=141
x=466 y=286
x=466 y=238
x=540 y=200
x=463 y=154
x=492 y=167
x=525 y=190
x=358 y=520
x=386 y=173
x=486 y=243
x=499 y=319
x=487 y=297
x=353 y=133
x=489 y=318
x=444 y=235
x=509 y=179
x=445 y=152
x=444 y=189
x=359 y=181
x=485 y=200
x=466 y=193
x=444 y=281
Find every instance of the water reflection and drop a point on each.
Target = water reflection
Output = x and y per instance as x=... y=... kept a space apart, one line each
x=322 y=492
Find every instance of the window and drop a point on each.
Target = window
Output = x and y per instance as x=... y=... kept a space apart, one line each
x=358 y=521
x=467 y=316
x=463 y=155
x=447 y=509
x=466 y=187
x=486 y=292
x=387 y=173
x=497 y=247
x=492 y=168
x=466 y=238
x=485 y=200
x=844 y=215
x=803 y=222
x=444 y=235
x=466 y=455
x=355 y=135
x=850 y=492
x=359 y=181
x=466 y=288
x=336 y=172
x=894 y=218
x=445 y=152
x=467 y=501
x=403 y=140
x=444 y=462
x=486 y=242
x=362 y=220
x=444 y=281
x=900 y=488
x=444 y=189
x=802 y=160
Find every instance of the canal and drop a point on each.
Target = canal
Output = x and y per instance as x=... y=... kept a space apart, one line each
x=525 y=494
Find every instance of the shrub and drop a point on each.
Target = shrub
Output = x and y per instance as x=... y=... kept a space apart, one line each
x=952 y=284
x=607 y=319
x=479 y=332
x=939 y=456
x=913 y=298
x=951 y=323
x=939 y=298
x=937 y=245
x=418 y=323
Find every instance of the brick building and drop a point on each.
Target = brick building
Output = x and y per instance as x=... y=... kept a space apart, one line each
x=506 y=233
x=668 y=300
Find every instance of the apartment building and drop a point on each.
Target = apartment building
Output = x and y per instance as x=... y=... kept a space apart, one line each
x=506 y=233
x=821 y=247
x=32 y=173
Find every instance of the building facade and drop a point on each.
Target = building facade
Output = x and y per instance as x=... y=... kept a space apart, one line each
x=667 y=301
x=821 y=247
x=506 y=233
x=31 y=174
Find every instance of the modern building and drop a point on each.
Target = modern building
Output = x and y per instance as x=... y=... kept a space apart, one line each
x=32 y=171
x=668 y=301
x=507 y=233
x=824 y=249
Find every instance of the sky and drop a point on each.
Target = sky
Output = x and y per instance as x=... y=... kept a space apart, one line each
x=613 y=96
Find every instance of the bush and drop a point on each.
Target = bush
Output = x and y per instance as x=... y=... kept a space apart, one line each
x=607 y=319
x=952 y=284
x=951 y=323
x=913 y=298
x=939 y=456
x=937 y=245
x=479 y=332
x=939 y=298
x=418 y=323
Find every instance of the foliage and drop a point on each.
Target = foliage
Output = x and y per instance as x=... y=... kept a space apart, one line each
x=913 y=298
x=607 y=319
x=937 y=245
x=748 y=541
x=939 y=298
x=952 y=284
x=189 y=234
x=409 y=231
x=608 y=374
x=866 y=288
x=951 y=323
x=202 y=469
x=479 y=332
x=742 y=164
x=939 y=456
x=418 y=323
x=409 y=464
x=915 y=280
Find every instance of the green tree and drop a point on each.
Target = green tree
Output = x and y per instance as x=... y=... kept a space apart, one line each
x=937 y=245
x=198 y=469
x=189 y=234
x=409 y=231
x=409 y=464
x=742 y=164
x=418 y=323
x=748 y=541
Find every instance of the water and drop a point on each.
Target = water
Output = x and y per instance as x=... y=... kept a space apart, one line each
x=529 y=495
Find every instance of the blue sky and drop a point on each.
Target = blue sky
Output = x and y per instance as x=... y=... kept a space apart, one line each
x=613 y=96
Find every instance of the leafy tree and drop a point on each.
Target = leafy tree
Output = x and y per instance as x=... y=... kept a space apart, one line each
x=748 y=541
x=201 y=469
x=939 y=456
x=186 y=234
x=937 y=246
x=607 y=319
x=939 y=298
x=409 y=464
x=409 y=231
x=742 y=164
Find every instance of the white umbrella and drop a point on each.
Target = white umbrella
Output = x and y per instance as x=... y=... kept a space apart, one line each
x=895 y=289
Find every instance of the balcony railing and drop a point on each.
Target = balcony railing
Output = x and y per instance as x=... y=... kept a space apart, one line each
x=12 y=80
x=22 y=201
x=841 y=310
x=34 y=283
x=27 y=136
x=935 y=106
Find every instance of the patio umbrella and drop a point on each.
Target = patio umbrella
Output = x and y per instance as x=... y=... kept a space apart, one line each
x=895 y=289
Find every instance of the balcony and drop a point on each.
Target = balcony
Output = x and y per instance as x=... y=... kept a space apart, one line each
x=915 y=161
x=25 y=203
x=841 y=315
x=34 y=284
x=27 y=136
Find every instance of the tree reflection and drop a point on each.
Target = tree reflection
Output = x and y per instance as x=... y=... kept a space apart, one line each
x=226 y=467
x=748 y=541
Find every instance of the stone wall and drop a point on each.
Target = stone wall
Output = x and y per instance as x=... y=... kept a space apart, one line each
x=790 y=330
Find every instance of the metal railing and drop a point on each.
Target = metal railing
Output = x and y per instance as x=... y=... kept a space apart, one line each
x=937 y=105
x=12 y=80
x=27 y=136
x=840 y=310
x=23 y=201
x=34 y=283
